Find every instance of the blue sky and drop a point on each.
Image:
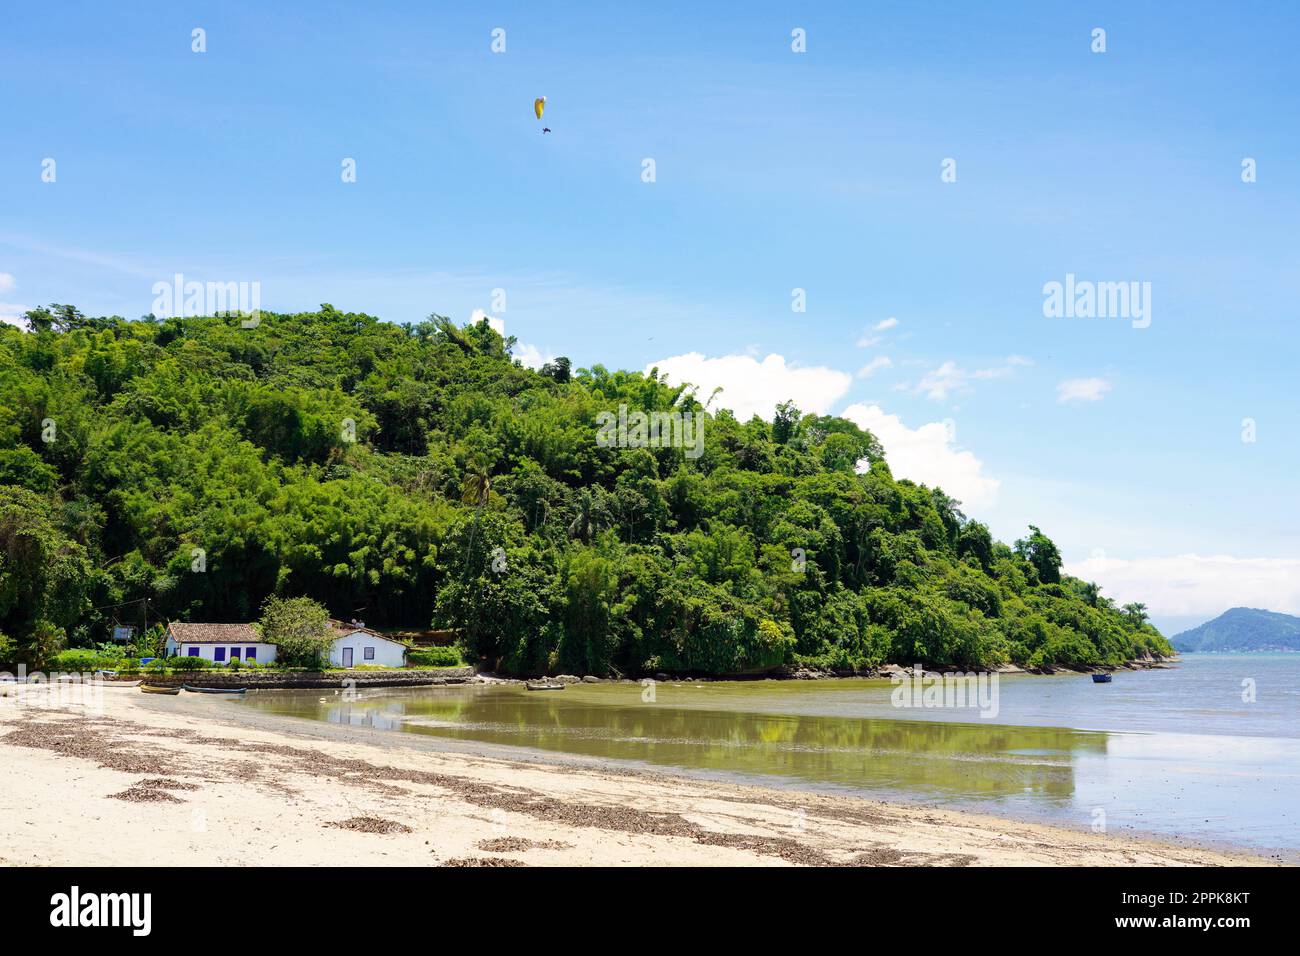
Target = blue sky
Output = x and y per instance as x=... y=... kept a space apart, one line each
x=775 y=170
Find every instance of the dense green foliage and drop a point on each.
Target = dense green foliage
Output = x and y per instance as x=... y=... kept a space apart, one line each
x=1242 y=629
x=89 y=659
x=412 y=475
x=166 y=665
x=435 y=657
x=300 y=629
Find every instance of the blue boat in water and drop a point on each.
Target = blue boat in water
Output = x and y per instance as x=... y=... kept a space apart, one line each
x=1101 y=678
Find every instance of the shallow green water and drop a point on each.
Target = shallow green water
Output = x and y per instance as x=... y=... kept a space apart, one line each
x=1173 y=752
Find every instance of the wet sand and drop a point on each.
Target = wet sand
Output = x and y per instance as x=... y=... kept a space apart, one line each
x=124 y=778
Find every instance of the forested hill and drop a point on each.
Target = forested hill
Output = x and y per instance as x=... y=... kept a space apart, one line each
x=1242 y=629
x=417 y=475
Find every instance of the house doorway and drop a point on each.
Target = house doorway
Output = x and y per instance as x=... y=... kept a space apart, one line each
x=347 y=657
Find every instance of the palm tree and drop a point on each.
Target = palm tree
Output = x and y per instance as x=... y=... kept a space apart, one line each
x=949 y=509
x=476 y=490
x=447 y=329
x=590 y=512
x=1136 y=612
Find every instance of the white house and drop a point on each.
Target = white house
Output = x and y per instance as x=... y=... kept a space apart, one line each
x=358 y=646
x=220 y=643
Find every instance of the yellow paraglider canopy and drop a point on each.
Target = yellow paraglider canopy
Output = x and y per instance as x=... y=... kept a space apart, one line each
x=539 y=104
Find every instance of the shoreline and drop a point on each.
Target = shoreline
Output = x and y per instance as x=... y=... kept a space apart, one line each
x=238 y=787
x=433 y=677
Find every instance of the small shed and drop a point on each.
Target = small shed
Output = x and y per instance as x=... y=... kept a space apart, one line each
x=356 y=645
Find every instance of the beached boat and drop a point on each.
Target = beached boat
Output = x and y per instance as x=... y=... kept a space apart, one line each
x=214 y=690
x=540 y=685
x=1101 y=678
x=116 y=683
x=156 y=689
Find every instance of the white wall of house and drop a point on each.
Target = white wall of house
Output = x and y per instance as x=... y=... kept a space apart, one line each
x=383 y=652
x=265 y=652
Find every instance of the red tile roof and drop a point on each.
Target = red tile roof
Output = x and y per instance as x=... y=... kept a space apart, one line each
x=344 y=629
x=213 y=633
x=245 y=634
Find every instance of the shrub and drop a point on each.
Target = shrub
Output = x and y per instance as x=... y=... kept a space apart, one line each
x=161 y=665
x=300 y=627
x=77 y=660
x=46 y=641
x=435 y=657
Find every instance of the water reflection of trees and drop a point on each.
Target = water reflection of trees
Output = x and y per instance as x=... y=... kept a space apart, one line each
x=958 y=759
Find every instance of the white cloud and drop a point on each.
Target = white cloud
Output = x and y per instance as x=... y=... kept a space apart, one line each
x=949 y=378
x=750 y=387
x=1019 y=360
x=874 y=366
x=531 y=356
x=11 y=313
x=1082 y=390
x=939 y=382
x=927 y=455
x=1192 y=585
x=866 y=340
x=496 y=325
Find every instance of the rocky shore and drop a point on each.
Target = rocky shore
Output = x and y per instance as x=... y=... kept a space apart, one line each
x=883 y=672
x=433 y=677
x=267 y=680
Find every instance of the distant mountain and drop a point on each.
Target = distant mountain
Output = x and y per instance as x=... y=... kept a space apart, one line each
x=1242 y=629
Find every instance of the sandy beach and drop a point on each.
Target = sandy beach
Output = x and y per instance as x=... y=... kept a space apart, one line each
x=126 y=778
